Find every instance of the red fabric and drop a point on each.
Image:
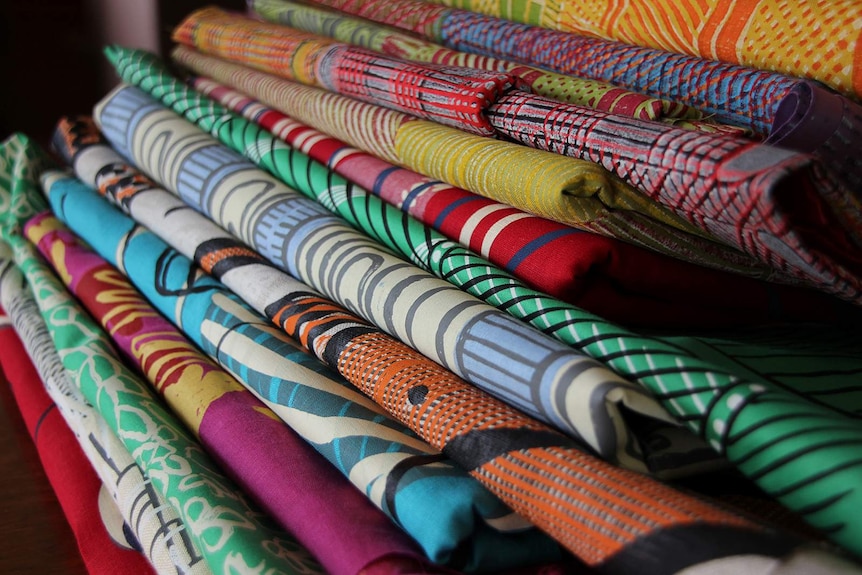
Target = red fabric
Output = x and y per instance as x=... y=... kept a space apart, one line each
x=69 y=471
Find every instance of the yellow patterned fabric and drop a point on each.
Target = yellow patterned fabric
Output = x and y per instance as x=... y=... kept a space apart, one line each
x=575 y=192
x=818 y=39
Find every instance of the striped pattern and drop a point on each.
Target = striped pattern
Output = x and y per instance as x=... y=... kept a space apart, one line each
x=759 y=34
x=451 y=95
x=161 y=534
x=510 y=184
x=398 y=472
x=382 y=39
x=552 y=486
x=687 y=383
x=727 y=186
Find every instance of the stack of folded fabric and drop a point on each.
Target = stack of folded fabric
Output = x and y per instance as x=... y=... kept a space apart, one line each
x=392 y=287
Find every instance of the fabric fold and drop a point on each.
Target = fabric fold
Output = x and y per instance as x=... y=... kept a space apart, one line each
x=573 y=194
x=157 y=528
x=656 y=364
x=467 y=529
x=229 y=532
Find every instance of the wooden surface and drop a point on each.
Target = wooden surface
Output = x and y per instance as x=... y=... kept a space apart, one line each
x=34 y=535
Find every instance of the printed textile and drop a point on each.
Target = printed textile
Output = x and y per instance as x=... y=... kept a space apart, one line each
x=564 y=468
x=452 y=95
x=229 y=533
x=365 y=34
x=91 y=516
x=468 y=528
x=272 y=461
x=578 y=195
x=779 y=206
x=760 y=34
x=554 y=383
x=156 y=528
x=610 y=278
x=656 y=365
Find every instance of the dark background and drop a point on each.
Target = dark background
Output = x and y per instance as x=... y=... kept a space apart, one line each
x=51 y=62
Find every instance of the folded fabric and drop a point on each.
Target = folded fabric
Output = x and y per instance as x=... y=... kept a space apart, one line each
x=156 y=528
x=553 y=383
x=452 y=95
x=761 y=34
x=790 y=112
x=228 y=531
x=424 y=404
x=155 y=524
x=468 y=528
x=545 y=184
x=77 y=487
x=779 y=206
x=274 y=466
x=612 y=279
x=662 y=367
x=748 y=172
x=734 y=94
x=385 y=40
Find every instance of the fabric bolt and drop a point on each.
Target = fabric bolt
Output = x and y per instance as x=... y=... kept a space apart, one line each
x=452 y=95
x=546 y=379
x=467 y=528
x=155 y=528
x=612 y=279
x=230 y=534
x=658 y=366
x=761 y=34
x=576 y=195
x=77 y=487
x=779 y=206
x=520 y=459
x=272 y=460
x=385 y=40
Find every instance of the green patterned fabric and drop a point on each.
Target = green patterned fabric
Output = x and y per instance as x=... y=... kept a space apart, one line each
x=232 y=535
x=751 y=417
